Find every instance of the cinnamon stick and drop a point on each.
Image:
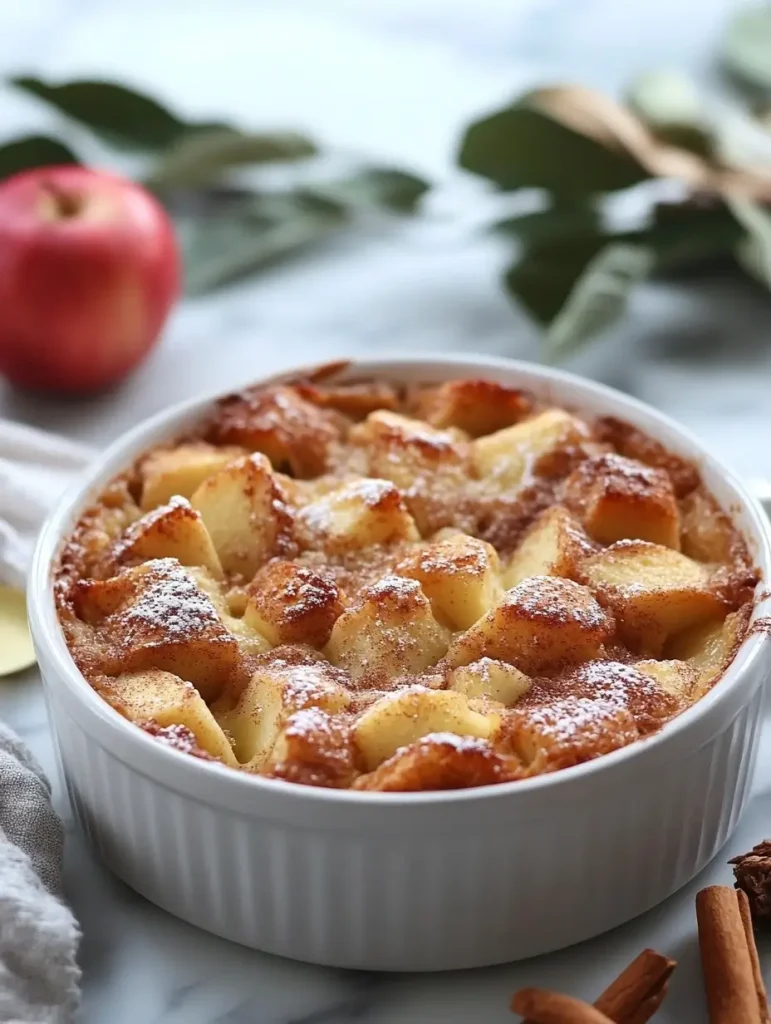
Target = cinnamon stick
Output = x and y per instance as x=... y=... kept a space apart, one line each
x=637 y=992
x=732 y=980
x=757 y=974
x=543 y=1006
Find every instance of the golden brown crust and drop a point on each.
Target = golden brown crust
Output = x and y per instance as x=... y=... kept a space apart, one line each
x=403 y=589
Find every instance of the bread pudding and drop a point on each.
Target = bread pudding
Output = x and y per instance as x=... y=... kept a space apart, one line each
x=403 y=588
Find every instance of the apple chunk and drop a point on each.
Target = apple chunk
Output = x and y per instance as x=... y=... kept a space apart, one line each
x=554 y=546
x=277 y=690
x=401 y=718
x=181 y=470
x=460 y=577
x=430 y=467
x=359 y=514
x=243 y=508
x=506 y=455
x=165 y=699
x=392 y=631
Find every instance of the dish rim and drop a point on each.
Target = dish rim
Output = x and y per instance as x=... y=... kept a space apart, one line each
x=49 y=636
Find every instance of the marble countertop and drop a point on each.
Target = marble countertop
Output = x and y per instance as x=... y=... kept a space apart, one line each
x=393 y=79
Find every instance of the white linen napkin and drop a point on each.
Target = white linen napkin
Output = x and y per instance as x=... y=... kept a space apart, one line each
x=38 y=934
x=35 y=468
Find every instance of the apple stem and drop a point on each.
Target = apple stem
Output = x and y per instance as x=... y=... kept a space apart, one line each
x=66 y=204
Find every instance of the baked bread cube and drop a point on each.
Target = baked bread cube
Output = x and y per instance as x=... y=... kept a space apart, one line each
x=506 y=456
x=391 y=632
x=297 y=436
x=290 y=603
x=430 y=467
x=356 y=400
x=314 y=749
x=475 y=406
x=709 y=647
x=554 y=546
x=165 y=699
x=360 y=514
x=707 y=534
x=459 y=575
x=652 y=590
x=568 y=731
x=243 y=509
x=175 y=530
x=181 y=470
x=157 y=616
x=543 y=623
x=490 y=679
x=276 y=691
x=634 y=443
x=677 y=678
x=405 y=716
x=622 y=685
x=441 y=761
x=622 y=499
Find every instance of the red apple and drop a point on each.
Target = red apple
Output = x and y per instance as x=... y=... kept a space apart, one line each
x=89 y=269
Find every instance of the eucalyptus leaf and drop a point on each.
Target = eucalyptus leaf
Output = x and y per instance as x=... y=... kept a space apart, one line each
x=599 y=296
x=33 y=151
x=201 y=158
x=753 y=251
x=562 y=221
x=746 y=47
x=671 y=106
x=117 y=114
x=260 y=232
x=523 y=147
x=543 y=276
x=375 y=187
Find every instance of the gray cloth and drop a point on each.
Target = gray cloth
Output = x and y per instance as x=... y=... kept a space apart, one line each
x=38 y=934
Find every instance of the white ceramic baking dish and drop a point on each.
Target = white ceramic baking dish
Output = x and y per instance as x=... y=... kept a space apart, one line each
x=408 y=882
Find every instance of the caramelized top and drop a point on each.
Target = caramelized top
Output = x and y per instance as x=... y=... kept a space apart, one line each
x=403 y=588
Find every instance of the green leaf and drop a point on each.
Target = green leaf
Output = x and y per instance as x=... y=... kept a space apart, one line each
x=556 y=222
x=683 y=234
x=599 y=297
x=753 y=250
x=260 y=232
x=375 y=187
x=671 y=106
x=522 y=147
x=115 y=113
x=200 y=158
x=746 y=48
x=543 y=277
x=33 y=151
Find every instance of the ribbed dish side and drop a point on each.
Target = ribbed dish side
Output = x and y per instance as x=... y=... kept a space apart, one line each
x=414 y=901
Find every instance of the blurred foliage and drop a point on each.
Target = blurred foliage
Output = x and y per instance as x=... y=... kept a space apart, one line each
x=574 y=264
x=574 y=269
x=226 y=229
